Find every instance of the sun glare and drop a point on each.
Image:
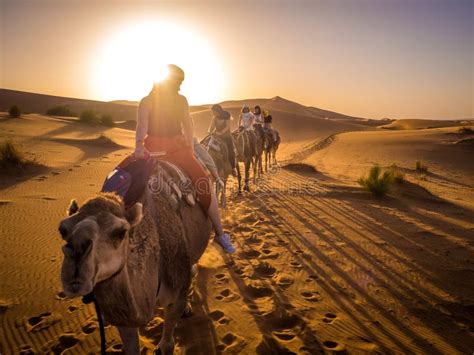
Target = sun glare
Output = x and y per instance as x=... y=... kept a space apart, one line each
x=136 y=57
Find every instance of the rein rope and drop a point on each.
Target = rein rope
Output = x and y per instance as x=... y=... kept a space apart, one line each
x=90 y=297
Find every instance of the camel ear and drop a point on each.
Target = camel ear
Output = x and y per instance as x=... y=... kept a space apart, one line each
x=134 y=214
x=73 y=208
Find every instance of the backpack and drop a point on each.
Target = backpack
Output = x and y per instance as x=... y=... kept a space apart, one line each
x=129 y=179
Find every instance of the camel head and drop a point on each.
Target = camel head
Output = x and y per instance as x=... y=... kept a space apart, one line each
x=96 y=236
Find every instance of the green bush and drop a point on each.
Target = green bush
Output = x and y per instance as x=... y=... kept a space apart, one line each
x=107 y=120
x=466 y=130
x=61 y=111
x=11 y=155
x=420 y=167
x=377 y=183
x=14 y=111
x=90 y=117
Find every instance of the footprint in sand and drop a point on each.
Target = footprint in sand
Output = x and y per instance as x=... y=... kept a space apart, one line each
x=329 y=318
x=60 y=296
x=249 y=254
x=66 y=341
x=230 y=340
x=286 y=325
x=219 y=317
x=221 y=277
x=284 y=281
x=296 y=265
x=265 y=270
x=285 y=335
x=333 y=345
x=40 y=322
x=26 y=350
x=115 y=348
x=252 y=240
x=311 y=296
x=72 y=309
x=227 y=296
x=259 y=291
x=89 y=328
x=282 y=242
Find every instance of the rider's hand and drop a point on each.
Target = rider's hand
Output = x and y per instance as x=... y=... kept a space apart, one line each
x=140 y=152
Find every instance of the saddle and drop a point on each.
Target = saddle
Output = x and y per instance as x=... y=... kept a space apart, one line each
x=130 y=178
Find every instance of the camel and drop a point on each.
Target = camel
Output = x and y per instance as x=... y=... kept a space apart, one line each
x=272 y=142
x=132 y=259
x=260 y=142
x=219 y=152
x=246 y=154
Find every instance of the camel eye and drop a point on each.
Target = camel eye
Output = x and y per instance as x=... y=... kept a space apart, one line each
x=119 y=233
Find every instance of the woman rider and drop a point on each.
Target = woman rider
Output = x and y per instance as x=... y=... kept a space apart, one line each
x=164 y=124
x=258 y=120
x=220 y=126
x=246 y=118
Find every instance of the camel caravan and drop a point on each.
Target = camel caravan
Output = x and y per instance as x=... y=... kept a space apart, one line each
x=137 y=243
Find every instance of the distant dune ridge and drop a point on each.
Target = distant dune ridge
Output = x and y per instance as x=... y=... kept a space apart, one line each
x=39 y=103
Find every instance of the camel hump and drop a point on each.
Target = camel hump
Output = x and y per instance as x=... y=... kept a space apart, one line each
x=170 y=180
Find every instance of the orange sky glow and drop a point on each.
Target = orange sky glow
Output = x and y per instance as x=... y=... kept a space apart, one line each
x=397 y=59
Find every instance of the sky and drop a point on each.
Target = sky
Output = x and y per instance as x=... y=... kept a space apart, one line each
x=366 y=58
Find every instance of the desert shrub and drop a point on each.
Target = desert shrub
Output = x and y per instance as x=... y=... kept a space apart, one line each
x=376 y=182
x=107 y=120
x=420 y=167
x=61 y=111
x=397 y=175
x=11 y=155
x=14 y=111
x=90 y=117
x=466 y=130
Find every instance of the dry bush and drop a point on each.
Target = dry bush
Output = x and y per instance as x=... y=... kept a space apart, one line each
x=14 y=111
x=89 y=117
x=107 y=120
x=11 y=155
x=61 y=111
x=420 y=167
x=376 y=182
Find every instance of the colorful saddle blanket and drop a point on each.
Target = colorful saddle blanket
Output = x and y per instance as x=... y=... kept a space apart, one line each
x=130 y=178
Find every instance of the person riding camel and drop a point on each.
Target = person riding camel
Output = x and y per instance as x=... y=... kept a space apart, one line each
x=268 y=125
x=246 y=118
x=220 y=126
x=246 y=121
x=164 y=124
x=258 y=121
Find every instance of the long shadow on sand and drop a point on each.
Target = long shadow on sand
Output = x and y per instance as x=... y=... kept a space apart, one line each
x=13 y=177
x=300 y=213
x=91 y=148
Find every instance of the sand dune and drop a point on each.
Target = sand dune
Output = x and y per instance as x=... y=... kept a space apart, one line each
x=39 y=103
x=425 y=124
x=451 y=167
x=321 y=265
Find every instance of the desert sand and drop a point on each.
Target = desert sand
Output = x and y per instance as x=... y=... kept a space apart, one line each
x=321 y=267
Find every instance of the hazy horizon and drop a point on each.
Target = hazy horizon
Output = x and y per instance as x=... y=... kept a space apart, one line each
x=397 y=59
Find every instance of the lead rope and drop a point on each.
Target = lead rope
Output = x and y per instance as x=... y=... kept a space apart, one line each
x=91 y=298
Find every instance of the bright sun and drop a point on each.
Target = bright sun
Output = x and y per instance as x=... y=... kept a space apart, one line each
x=136 y=57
